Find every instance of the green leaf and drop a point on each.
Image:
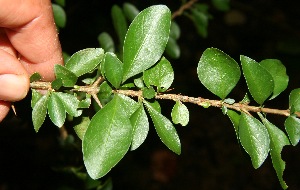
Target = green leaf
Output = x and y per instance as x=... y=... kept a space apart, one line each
x=254 y=138
x=81 y=128
x=229 y=101
x=292 y=127
x=172 y=49
x=161 y=75
x=155 y=105
x=35 y=77
x=130 y=11
x=105 y=91
x=278 y=140
x=129 y=105
x=106 y=42
x=56 y=110
x=278 y=72
x=35 y=96
x=180 y=114
x=294 y=100
x=85 y=61
x=56 y=84
x=149 y=93
x=200 y=19
x=59 y=16
x=113 y=69
x=119 y=22
x=140 y=123
x=68 y=78
x=235 y=120
x=107 y=138
x=86 y=102
x=146 y=40
x=139 y=82
x=165 y=129
x=175 y=31
x=60 y=2
x=221 y=5
x=39 y=112
x=259 y=81
x=218 y=72
x=70 y=102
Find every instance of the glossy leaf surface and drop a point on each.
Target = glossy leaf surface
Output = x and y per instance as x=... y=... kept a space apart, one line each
x=113 y=69
x=165 y=129
x=146 y=39
x=180 y=114
x=218 y=72
x=292 y=127
x=35 y=96
x=278 y=72
x=67 y=77
x=56 y=110
x=235 y=120
x=39 y=112
x=278 y=140
x=85 y=61
x=81 y=128
x=59 y=16
x=140 y=124
x=107 y=138
x=70 y=103
x=254 y=138
x=259 y=81
x=161 y=75
x=294 y=100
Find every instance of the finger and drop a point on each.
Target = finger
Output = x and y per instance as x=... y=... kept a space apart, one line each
x=37 y=41
x=4 y=109
x=14 y=80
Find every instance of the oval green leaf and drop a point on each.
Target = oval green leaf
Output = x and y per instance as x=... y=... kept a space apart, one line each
x=259 y=81
x=140 y=123
x=254 y=138
x=175 y=31
x=235 y=120
x=119 y=22
x=85 y=61
x=56 y=110
x=60 y=17
x=130 y=11
x=106 y=42
x=161 y=75
x=68 y=78
x=70 y=102
x=107 y=138
x=172 y=49
x=165 y=129
x=294 y=100
x=180 y=114
x=292 y=127
x=81 y=128
x=35 y=96
x=218 y=72
x=146 y=39
x=278 y=140
x=278 y=72
x=39 y=112
x=113 y=69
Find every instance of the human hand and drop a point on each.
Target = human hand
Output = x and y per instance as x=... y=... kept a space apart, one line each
x=28 y=43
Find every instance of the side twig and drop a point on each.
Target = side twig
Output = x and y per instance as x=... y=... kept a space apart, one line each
x=183 y=8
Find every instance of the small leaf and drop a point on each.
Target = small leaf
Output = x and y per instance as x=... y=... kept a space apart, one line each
x=278 y=72
x=85 y=61
x=229 y=101
x=129 y=105
x=221 y=5
x=86 y=102
x=70 y=103
x=218 y=72
x=278 y=140
x=81 y=128
x=254 y=138
x=235 y=120
x=172 y=49
x=59 y=16
x=180 y=114
x=107 y=138
x=113 y=69
x=130 y=11
x=200 y=19
x=35 y=77
x=35 y=96
x=139 y=82
x=155 y=105
x=165 y=129
x=175 y=31
x=105 y=91
x=294 y=100
x=56 y=110
x=259 y=81
x=245 y=100
x=149 y=93
x=140 y=123
x=224 y=110
x=68 y=78
x=146 y=39
x=292 y=127
x=119 y=22
x=56 y=84
x=161 y=75
x=106 y=42
x=39 y=112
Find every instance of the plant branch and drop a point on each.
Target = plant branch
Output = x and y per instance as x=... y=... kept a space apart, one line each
x=207 y=102
x=94 y=89
x=183 y=8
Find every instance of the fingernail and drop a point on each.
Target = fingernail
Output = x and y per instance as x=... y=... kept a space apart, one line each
x=13 y=87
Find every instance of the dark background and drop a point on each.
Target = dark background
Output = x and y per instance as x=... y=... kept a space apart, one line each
x=211 y=157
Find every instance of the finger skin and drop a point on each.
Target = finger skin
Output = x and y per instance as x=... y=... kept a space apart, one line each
x=4 y=109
